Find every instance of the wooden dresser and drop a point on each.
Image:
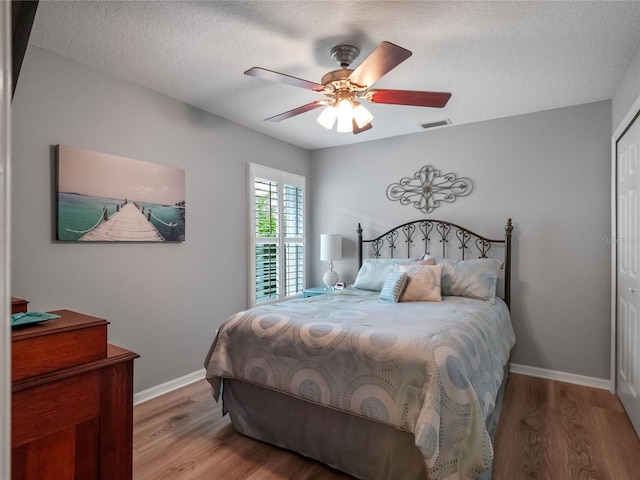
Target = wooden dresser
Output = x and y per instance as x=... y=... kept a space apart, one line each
x=72 y=403
x=18 y=305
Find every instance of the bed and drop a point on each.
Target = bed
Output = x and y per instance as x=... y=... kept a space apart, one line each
x=371 y=380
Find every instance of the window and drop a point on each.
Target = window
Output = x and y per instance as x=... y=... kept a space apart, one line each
x=277 y=235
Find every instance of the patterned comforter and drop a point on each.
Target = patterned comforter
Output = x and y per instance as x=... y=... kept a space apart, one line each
x=429 y=368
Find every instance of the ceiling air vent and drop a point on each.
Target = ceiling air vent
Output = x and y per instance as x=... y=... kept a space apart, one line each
x=441 y=123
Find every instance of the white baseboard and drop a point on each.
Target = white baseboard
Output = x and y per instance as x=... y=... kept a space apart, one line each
x=167 y=387
x=602 y=383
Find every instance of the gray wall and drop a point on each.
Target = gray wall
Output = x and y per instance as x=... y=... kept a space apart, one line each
x=163 y=301
x=549 y=171
x=628 y=91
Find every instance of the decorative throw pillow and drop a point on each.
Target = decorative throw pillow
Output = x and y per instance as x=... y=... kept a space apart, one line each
x=425 y=261
x=423 y=283
x=393 y=287
x=374 y=270
x=470 y=278
x=399 y=267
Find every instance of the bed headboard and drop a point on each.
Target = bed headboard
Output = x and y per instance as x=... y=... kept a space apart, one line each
x=437 y=237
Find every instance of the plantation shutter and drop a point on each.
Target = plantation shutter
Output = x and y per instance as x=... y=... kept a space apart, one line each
x=277 y=240
x=266 y=251
x=293 y=240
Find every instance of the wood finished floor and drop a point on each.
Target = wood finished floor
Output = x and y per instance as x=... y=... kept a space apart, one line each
x=548 y=430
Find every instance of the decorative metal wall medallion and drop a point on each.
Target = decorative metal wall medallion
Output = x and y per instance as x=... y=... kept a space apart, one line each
x=427 y=188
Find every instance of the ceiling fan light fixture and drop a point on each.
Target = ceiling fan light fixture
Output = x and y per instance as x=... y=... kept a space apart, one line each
x=361 y=115
x=327 y=117
x=345 y=86
x=344 y=113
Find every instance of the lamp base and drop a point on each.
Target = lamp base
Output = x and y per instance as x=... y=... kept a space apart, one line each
x=330 y=278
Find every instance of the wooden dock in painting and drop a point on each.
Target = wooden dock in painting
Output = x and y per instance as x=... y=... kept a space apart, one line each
x=126 y=225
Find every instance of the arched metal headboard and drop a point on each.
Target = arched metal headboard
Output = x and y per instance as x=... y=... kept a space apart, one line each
x=401 y=242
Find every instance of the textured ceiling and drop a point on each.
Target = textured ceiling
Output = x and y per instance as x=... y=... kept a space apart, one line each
x=496 y=58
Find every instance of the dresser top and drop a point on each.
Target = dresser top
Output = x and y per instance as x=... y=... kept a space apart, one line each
x=68 y=321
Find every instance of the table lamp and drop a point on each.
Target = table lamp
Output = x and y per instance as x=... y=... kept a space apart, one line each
x=330 y=250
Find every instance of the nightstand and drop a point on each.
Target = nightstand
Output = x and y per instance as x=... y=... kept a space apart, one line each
x=314 y=291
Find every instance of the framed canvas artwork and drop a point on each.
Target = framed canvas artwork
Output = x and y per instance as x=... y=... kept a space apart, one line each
x=106 y=198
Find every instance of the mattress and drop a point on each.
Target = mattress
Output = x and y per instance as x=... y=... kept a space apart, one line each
x=431 y=369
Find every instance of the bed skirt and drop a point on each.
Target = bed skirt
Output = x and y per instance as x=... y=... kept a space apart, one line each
x=355 y=445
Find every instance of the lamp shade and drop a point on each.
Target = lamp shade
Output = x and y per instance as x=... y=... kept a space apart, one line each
x=327 y=117
x=362 y=116
x=344 y=112
x=330 y=247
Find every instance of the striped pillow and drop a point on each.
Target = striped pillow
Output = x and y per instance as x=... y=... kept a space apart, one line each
x=393 y=286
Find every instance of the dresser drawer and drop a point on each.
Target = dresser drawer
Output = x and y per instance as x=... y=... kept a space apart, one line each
x=71 y=340
x=46 y=409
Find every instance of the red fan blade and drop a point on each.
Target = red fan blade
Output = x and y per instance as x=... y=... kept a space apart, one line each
x=357 y=129
x=382 y=60
x=272 y=76
x=408 y=97
x=297 y=111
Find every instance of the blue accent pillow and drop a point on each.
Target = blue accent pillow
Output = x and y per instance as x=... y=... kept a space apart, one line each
x=373 y=272
x=394 y=285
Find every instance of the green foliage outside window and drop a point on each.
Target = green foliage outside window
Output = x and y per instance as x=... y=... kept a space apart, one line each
x=266 y=216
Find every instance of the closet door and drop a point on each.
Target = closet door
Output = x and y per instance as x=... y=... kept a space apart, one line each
x=628 y=249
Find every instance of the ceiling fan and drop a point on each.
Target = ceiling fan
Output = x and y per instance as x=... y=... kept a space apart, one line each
x=345 y=88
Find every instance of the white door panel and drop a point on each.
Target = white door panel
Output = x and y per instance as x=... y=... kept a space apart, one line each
x=628 y=285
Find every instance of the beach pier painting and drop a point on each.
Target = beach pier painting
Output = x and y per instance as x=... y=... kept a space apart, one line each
x=106 y=198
